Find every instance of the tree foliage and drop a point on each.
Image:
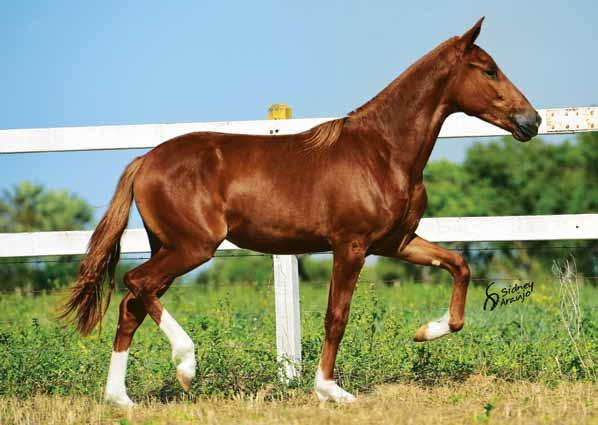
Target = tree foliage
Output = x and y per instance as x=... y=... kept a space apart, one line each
x=29 y=207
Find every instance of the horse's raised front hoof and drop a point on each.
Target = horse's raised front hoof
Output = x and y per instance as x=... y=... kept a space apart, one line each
x=119 y=400
x=433 y=330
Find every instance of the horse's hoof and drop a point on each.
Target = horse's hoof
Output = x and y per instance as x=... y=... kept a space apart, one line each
x=433 y=330
x=329 y=390
x=119 y=400
x=421 y=334
x=344 y=398
x=184 y=379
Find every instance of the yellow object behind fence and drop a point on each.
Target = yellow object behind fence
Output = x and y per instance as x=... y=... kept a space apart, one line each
x=280 y=111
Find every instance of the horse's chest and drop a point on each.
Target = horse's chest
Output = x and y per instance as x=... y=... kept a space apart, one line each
x=410 y=207
x=408 y=221
x=408 y=213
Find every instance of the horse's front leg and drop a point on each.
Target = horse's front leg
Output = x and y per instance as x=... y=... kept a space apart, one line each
x=421 y=251
x=348 y=261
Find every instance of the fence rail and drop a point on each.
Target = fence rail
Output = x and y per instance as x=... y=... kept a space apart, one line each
x=286 y=280
x=554 y=121
x=449 y=229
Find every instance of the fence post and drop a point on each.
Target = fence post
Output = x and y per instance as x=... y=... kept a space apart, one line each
x=288 y=323
x=286 y=293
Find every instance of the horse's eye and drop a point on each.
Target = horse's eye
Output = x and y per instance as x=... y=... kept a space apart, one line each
x=490 y=73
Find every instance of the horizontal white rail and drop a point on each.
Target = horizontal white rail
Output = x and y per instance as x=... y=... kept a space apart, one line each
x=510 y=228
x=40 y=244
x=554 y=121
x=450 y=229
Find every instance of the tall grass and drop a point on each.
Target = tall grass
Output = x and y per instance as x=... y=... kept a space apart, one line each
x=234 y=331
x=571 y=314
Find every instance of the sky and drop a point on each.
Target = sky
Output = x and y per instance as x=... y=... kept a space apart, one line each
x=67 y=63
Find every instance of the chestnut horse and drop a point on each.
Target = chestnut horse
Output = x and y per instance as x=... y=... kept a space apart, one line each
x=351 y=185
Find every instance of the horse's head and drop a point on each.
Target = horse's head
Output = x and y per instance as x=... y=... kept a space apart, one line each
x=480 y=88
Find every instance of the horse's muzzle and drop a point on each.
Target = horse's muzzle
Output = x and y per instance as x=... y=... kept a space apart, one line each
x=526 y=125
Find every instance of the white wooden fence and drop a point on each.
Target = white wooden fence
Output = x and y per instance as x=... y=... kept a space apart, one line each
x=286 y=280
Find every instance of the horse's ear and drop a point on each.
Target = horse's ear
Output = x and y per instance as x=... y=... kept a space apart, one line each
x=468 y=39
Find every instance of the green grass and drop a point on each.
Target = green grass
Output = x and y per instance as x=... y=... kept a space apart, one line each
x=234 y=331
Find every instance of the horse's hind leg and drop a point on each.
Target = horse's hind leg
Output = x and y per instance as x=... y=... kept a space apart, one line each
x=151 y=279
x=131 y=315
x=420 y=251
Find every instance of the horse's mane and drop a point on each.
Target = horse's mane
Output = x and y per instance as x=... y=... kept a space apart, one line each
x=324 y=135
x=327 y=134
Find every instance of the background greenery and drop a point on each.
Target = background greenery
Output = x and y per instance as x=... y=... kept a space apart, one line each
x=234 y=331
x=30 y=207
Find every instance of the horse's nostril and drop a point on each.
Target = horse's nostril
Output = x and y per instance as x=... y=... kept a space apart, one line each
x=521 y=120
x=538 y=119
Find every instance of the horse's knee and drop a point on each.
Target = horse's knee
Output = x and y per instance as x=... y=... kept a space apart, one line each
x=461 y=268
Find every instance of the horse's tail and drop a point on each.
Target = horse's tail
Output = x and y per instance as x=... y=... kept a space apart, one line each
x=102 y=255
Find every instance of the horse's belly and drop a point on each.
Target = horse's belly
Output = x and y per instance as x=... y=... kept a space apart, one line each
x=276 y=243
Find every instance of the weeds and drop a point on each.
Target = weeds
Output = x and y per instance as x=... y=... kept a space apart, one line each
x=234 y=331
x=571 y=313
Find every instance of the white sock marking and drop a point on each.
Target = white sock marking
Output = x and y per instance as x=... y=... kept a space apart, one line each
x=435 y=263
x=438 y=327
x=327 y=388
x=183 y=349
x=116 y=391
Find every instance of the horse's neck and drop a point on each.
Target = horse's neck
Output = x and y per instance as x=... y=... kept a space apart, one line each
x=410 y=111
